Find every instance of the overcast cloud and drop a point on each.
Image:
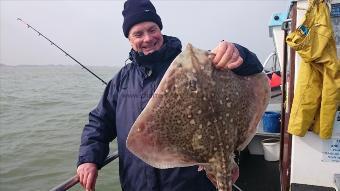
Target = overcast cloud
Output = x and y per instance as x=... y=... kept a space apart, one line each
x=91 y=30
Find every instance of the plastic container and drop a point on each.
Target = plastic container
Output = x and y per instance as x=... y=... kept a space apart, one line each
x=275 y=81
x=271 y=122
x=271 y=149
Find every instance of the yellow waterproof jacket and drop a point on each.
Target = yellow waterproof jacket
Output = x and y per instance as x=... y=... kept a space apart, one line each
x=317 y=93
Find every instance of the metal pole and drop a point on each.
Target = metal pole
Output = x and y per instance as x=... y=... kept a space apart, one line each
x=66 y=54
x=287 y=82
x=69 y=183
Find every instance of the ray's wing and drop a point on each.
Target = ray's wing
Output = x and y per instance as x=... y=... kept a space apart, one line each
x=149 y=138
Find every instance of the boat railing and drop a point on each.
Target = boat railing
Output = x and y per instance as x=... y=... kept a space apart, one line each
x=69 y=183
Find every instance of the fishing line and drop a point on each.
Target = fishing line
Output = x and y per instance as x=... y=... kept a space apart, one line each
x=66 y=54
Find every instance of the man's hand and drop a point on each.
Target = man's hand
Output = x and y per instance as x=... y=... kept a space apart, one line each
x=226 y=56
x=87 y=174
x=235 y=173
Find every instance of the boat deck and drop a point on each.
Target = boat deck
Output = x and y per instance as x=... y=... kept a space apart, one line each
x=258 y=174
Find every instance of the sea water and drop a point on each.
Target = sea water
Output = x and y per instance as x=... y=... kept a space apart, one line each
x=43 y=110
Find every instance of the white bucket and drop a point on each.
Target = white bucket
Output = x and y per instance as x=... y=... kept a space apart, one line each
x=271 y=149
x=255 y=147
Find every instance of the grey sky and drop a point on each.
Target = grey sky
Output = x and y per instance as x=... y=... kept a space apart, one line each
x=91 y=30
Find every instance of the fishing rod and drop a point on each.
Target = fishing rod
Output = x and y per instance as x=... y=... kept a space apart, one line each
x=66 y=54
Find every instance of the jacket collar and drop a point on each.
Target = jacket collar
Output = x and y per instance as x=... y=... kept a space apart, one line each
x=171 y=48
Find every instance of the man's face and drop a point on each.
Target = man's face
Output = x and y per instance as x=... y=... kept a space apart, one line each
x=145 y=37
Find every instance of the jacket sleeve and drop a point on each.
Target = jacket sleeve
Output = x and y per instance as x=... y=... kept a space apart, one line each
x=101 y=128
x=251 y=64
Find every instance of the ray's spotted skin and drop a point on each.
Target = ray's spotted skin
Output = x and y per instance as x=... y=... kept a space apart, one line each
x=199 y=116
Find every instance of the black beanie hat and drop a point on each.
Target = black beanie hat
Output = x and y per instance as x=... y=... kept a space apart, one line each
x=137 y=11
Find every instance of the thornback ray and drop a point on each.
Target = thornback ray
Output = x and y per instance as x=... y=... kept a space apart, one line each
x=199 y=115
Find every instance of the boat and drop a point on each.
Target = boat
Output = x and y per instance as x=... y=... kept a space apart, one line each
x=303 y=163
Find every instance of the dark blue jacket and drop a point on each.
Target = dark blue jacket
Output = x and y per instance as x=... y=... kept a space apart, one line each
x=123 y=100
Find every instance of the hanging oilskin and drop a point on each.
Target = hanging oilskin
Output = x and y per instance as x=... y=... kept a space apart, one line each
x=317 y=93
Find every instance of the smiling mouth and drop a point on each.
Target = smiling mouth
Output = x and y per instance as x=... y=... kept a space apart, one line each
x=149 y=48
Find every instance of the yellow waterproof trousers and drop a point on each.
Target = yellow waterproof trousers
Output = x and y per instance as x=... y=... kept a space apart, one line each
x=317 y=93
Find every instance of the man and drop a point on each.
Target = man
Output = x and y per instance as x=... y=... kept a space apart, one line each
x=128 y=93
